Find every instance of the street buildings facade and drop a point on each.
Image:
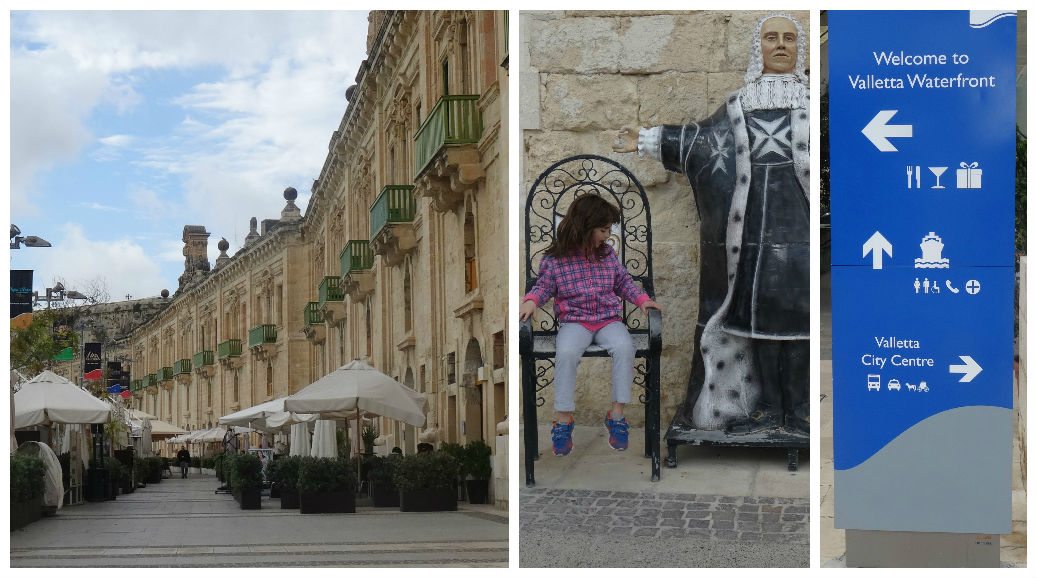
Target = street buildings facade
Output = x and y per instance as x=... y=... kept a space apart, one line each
x=400 y=258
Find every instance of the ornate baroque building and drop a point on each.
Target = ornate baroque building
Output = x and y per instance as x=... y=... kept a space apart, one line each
x=399 y=259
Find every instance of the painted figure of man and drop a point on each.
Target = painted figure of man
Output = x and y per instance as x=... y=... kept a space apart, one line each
x=748 y=165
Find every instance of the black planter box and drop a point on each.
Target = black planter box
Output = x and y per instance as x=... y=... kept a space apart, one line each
x=478 y=491
x=341 y=502
x=435 y=500
x=98 y=488
x=275 y=491
x=290 y=500
x=25 y=513
x=250 y=499
x=385 y=495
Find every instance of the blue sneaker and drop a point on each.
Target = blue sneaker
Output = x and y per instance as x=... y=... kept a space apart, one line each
x=619 y=431
x=562 y=438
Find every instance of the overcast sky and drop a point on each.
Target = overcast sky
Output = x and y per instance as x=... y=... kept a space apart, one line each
x=126 y=126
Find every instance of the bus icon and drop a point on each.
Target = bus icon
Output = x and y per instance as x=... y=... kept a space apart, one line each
x=874 y=382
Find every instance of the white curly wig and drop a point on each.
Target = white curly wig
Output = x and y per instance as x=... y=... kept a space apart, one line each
x=755 y=69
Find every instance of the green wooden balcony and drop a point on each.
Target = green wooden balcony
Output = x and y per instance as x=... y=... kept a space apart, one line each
x=203 y=358
x=229 y=348
x=454 y=120
x=312 y=314
x=136 y=385
x=165 y=374
x=395 y=204
x=261 y=334
x=151 y=380
x=182 y=366
x=330 y=289
x=356 y=256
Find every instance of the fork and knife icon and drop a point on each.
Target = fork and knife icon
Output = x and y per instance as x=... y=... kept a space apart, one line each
x=917 y=172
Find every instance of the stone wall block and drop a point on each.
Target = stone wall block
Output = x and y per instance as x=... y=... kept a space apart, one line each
x=542 y=149
x=695 y=43
x=576 y=45
x=671 y=98
x=719 y=86
x=581 y=103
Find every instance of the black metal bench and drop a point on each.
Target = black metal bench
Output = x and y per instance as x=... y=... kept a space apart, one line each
x=548 y=200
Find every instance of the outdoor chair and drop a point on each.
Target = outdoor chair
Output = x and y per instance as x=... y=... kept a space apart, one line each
x=548 y=201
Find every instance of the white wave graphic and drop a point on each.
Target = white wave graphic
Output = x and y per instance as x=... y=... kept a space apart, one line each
x=984 y=18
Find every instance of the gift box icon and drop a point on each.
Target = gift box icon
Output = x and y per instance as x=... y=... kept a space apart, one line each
x=970 y=176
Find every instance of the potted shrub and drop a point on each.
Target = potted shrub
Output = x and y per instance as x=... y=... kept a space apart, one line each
x=247 y=480
x=140 y=471
x=218 y=465
x=478 y=468
x=287 y=473
x=27 y=478
x=114 y=476
x=457 y=452
x=271 y=476
x=427 y=482
x=384 y=492
x=326 y=485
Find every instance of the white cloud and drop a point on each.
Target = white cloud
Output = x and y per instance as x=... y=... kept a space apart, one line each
x=262 y=126
x=100 y=207
x=150 y=204
x=116 y=140
x=123 y=264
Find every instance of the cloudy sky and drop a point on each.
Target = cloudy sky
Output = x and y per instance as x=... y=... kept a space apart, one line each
x=126 y=126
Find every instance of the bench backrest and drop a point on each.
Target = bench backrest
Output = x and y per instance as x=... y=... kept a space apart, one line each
x=549 y=199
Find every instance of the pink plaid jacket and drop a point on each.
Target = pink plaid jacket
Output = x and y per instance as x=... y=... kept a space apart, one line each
x=585 y=291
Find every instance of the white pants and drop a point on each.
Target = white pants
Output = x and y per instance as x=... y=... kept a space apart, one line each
x=573 y=339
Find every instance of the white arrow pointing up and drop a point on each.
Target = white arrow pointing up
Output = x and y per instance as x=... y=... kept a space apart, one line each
x=878 y=132
x=876 y=245
x=970 y=370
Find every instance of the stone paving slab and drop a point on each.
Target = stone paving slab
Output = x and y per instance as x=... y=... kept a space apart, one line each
x=182 y=523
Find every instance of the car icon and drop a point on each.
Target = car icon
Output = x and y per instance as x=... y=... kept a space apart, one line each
x=874 y=382
x=893 y=384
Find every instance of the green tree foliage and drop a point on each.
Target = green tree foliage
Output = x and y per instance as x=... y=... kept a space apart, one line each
x=33 y=348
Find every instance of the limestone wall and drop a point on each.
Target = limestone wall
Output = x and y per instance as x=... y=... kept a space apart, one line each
x=584 y=75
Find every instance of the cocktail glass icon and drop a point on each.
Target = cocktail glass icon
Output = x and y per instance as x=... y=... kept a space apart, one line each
x=937 y=171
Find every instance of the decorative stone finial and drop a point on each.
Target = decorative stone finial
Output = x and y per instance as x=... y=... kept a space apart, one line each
x=253 y=234
x=165 y=293
x=223 y=245
x=290 y=212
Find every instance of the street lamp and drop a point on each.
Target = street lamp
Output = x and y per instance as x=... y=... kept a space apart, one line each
x=30 y=241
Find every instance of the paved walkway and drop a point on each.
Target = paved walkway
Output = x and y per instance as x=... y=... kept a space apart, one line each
x=182 y=523
x=720 y=507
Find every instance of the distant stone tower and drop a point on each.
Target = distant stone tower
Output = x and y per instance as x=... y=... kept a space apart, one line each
x=196 y=253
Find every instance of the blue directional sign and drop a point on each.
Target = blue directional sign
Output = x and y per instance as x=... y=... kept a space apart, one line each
x=923 y=182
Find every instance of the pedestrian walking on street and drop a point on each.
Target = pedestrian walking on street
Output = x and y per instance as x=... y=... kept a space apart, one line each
x=581 y=271
x=184 y=458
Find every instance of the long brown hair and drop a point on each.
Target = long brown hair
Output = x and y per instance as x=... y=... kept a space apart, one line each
x=585 y=214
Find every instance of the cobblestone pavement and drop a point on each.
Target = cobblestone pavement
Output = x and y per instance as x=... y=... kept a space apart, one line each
x=650 y=515
x=601 y=528
x=182 y=523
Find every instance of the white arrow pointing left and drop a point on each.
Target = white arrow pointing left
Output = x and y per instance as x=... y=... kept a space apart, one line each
x=970 y=370
x=879 y=131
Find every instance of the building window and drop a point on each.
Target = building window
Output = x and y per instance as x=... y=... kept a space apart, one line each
x=280 y=304
x=471 y=278
x=209 y=392
x=500 y=351
x=367 y=314
x=269 y=379
x=235 y=386
x=445 y=71
x=451 y=368
x=407 y=322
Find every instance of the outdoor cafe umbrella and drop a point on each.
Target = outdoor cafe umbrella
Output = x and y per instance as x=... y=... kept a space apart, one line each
x=267 y=416
x=49 y=398
x=355 y=387
x=325 y=443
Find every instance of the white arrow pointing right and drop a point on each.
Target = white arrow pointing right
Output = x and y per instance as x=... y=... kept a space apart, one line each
x=879 y=133
x=970 y=370
x=876 y=245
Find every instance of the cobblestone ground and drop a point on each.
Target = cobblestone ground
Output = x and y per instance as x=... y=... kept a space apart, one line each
x=736 y=531
x=182 y=523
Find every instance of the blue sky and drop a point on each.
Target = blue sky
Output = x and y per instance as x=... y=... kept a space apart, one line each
x=126 y=126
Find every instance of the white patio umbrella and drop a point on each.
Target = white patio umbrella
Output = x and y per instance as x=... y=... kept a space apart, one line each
x=161 y=430
x=358 y=386
x=49 y=398
x=267 y=417
x=300 y=443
